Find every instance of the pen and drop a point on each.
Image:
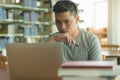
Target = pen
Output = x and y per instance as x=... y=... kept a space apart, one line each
x=76 y=45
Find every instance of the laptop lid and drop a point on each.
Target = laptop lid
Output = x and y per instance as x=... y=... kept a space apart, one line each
x=34 y=61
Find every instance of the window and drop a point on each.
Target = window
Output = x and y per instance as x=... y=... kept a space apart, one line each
x=95 y=13
x=101 y=14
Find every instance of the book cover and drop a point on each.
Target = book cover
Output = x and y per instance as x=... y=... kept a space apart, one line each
x=89 y=64
x=84 y=78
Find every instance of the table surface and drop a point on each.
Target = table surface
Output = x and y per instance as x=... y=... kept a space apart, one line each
x=4 y=74
x=111 y=53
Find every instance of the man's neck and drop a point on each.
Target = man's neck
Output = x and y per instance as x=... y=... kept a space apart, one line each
x=76 y=33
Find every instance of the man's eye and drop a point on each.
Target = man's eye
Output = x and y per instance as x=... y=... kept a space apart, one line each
x=58 y=22
x=67 y=22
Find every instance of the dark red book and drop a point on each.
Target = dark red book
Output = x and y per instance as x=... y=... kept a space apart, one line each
x=89 y=64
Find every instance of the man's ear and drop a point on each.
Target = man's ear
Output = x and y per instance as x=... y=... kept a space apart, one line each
x=77 y=19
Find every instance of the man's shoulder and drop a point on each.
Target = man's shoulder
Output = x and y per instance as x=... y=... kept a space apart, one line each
x=87 y=35
x=85 y=32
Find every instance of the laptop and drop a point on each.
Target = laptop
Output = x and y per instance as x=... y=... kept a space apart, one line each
x=34 y=61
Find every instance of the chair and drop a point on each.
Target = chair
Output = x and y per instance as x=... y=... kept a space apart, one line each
x=3 y=59
x=111 y=47
x=100 y=33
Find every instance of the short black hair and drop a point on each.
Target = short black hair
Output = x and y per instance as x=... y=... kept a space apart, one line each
x=65 y=5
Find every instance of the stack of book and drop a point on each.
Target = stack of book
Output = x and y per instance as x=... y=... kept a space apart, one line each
x=88 y=70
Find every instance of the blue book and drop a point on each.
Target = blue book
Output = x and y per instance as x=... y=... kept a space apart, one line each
x=34 y=3
x=1 y=13
x=34 y=30
x=25 y=3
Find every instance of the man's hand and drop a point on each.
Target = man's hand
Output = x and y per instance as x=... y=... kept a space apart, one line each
x=64 y=37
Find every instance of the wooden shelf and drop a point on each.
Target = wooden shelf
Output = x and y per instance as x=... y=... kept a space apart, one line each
x=23 y=20
x=8 y=6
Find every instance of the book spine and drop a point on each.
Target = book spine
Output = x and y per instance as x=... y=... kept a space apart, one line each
x=10 y=14
x=3 y=41
x=85 y=78
x=27 y=31
x=11 y=29
x=1 y=13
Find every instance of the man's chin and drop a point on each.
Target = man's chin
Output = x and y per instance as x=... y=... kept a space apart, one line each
x=63 y=31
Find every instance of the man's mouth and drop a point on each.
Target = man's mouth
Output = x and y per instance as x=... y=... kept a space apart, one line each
x=63 y=31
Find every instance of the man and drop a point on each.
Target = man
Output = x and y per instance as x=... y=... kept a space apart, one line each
x=78 y=44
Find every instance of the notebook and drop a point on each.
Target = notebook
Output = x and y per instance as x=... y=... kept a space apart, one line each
x=34 y=61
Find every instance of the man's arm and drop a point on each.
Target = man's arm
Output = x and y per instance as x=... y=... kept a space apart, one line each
x=62 y=37
x=95 y=48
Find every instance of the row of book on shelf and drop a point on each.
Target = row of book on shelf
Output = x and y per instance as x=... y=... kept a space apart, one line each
x=21 y=17
x=7 y=1
x=16 y=1
x=4 y=41
x=6 y=13
x=16 y=14
x=28 y=16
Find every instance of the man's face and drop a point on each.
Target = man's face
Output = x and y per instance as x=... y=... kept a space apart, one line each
x=66 y=22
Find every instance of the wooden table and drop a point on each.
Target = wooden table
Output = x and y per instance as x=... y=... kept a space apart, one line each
x=4 y=75
x=112 y=54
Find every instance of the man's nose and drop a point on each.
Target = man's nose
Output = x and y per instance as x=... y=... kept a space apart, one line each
x=63 y=26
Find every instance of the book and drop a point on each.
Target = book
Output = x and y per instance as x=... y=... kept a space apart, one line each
x=89 y=64
x=1 y=13
x=84 y=78
x=88 y=74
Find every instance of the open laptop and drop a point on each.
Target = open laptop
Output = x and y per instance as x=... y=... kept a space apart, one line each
x=34 y=61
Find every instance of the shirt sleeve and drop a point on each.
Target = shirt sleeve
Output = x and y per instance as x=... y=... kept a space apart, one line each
x=95 y=51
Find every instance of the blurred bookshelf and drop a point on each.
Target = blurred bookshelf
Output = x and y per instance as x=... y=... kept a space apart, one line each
x=27 y=21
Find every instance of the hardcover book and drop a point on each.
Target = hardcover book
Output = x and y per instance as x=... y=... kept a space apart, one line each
x=89 y=64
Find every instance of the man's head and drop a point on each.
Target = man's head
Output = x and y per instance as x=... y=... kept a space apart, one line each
x=62 y=6
x=66 y=16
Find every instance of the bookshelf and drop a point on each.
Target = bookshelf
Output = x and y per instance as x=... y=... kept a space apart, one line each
x=24 y=21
